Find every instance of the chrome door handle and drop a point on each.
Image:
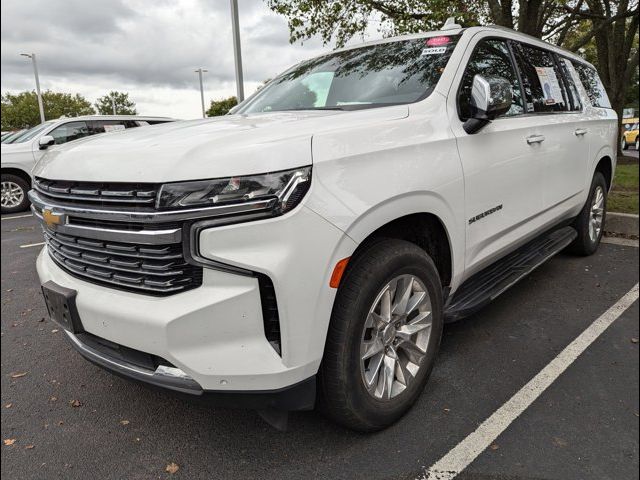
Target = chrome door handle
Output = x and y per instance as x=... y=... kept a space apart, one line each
x=580 y=131
x=535 y=139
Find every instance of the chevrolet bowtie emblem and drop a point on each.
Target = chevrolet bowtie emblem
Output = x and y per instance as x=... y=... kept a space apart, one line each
x=51 y=218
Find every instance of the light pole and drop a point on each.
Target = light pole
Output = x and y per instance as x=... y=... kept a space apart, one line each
x=113 y=102
x=200 y=71
x=235 y=24
x=32 y=56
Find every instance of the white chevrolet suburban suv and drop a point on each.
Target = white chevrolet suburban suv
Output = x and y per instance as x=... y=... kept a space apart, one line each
x=21 y=153
x=312 y=244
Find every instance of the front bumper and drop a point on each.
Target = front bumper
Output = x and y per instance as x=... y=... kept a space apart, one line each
x=300 y=396
x=215 y=333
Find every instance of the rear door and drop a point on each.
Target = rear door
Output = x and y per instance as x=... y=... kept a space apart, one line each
x=563 y=148
x=503 y=185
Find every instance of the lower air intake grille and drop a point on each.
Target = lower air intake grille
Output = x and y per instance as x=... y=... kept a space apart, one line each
x=270 y=315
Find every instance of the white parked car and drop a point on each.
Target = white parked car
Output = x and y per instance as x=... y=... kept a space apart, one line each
x=317 y=239
x=20 y=153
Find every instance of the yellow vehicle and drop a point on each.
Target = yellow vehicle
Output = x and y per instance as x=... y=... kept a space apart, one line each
x=630 y=135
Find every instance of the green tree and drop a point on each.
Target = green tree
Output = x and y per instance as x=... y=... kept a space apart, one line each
x=124 y=105
x=633 y=94
x=612 y=26
x=337 y=21
x=606 y=31
x=21 y=110
x=221 y=107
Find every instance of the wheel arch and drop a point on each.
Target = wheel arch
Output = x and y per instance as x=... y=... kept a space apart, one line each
x=18 y=172
x=431 y=227
x=605 y=166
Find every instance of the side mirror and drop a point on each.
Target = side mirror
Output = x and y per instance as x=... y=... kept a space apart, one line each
x=46 y=141
x=490 y=98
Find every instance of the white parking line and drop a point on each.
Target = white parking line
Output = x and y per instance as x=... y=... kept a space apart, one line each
x=17 y=216
x=459 y=458
x=28 y=245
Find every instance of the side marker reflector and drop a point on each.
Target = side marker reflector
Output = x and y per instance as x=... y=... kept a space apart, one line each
x=338 y=271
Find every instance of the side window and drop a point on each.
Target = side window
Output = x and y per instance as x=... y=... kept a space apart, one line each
x=102 y=126
x=593 y=85
x=490 y=58
x=68 y=132
x=571 y=78
x=541 y=79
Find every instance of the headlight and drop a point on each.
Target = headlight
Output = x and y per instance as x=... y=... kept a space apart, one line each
x=286 y=187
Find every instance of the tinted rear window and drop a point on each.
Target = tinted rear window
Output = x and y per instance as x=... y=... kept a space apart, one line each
x=593 y=85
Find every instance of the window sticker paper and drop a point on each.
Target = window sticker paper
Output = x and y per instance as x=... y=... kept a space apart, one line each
x=113 y=128
x=550 y=85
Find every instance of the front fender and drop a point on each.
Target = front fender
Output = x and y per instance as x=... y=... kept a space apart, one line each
x=413 y=203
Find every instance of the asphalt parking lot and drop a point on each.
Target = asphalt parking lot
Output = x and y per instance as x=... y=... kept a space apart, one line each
x=62 y=417
x=631 y=152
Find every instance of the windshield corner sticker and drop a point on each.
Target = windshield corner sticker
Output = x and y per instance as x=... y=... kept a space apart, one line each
x=550 y=85
x=485 y=214
x=433 y=51
x=437 y=41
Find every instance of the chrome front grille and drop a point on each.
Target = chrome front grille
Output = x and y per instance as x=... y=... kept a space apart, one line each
x=111 y=234
x=94 y=193
x=150 y=269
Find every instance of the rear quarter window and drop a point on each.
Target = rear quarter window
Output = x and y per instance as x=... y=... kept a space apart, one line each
x=593 y=85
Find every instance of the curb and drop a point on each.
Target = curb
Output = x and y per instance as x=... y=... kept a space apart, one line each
x=622 y=224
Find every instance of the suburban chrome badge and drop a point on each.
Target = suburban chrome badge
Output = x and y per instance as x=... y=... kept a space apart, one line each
x=484 y=214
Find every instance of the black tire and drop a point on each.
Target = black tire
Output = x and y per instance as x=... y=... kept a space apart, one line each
x=584 y=245
x=624 y=145
x=21 y=183
x=343 y=395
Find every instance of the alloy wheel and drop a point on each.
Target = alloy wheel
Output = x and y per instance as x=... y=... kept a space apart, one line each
x=596 y=215
x=395 y=337
x=12 y=194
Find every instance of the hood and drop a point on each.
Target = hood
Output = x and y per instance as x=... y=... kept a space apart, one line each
x=15 y=147
x=198 y=149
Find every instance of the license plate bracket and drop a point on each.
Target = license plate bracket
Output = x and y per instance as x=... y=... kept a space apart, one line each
x=61 y=305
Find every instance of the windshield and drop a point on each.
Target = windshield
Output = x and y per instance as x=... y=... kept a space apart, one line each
x=10 y=137
x=378 y=75
x=32 y=132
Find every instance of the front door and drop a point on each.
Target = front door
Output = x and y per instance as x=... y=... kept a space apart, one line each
x=503 y=177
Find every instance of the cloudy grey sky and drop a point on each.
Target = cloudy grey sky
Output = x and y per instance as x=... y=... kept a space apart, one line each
x=149 y=48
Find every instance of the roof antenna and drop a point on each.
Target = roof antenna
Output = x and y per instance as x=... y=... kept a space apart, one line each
x=451 y=24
